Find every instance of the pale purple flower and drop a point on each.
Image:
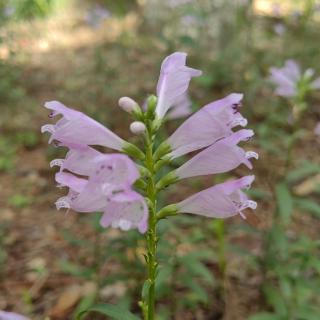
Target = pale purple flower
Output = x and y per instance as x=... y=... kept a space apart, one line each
x=107 y=188
x=96 y=15
x=126 y=210
x=77 y=128
x=315 y=84
x=211 y=123
x=173 y=81
x=8 y=11
x=84 y=160
x=181 y=108
x=288 y=78
x=220 y=201
x=4 y=315
x=189 y=21
x=279 y=29
x=222 y=156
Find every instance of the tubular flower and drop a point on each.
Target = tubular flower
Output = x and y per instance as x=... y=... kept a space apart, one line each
x=211 y=123
x=77 y=128
x=220 y=201
x=173 y=81
x=289 y=79
x=4 y=315
x=86 y=161
x=181 y=109
x=222 y=156
x=107 y=189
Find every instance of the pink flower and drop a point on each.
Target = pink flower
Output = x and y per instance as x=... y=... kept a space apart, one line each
x=4 y=315
x=220 y=201
x=220 y=157
x=84 y=160
x=288 y=79
x=181 y=109
x=126 y=210
x=211 y=123
x=107 y=188
x=173 y=81
x=77 y=128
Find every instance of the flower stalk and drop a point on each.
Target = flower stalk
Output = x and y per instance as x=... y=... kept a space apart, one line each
x=151 y=237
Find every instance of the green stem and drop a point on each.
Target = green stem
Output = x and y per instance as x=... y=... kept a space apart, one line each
x=152 y=228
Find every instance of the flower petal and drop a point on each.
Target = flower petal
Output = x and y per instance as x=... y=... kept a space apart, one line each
x=77 y=128
x=315 y=84
x=181 y=109
x=4 y=315
x=286 y=78
x=116 y=169
x=173 y=81
x=211 y=123
x=69 y=180
x=222 y=156
x=220 y=201
x=126 y=210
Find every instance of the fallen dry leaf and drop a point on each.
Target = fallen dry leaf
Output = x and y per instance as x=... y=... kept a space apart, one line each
x=307 y=186
x=66 y=301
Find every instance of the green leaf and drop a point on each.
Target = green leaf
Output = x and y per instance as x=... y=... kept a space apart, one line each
x=113 y=311
x=308 y=205
x=276 y=300
x=307 y=169
x=84 y=304
x=284 y=202
x=197 y=293
x=145 y=290
x=197 y=268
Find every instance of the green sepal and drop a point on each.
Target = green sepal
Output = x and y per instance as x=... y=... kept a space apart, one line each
x=162 y=162
x=162 y=150
x=170 y=210
x=170 y=178
x=133 y=151
x=138 y=114
x=156 y=124
x=140 y=184
x=144 y=172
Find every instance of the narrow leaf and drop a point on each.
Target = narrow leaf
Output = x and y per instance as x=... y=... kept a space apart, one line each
x=284 y=202
x=113 y=311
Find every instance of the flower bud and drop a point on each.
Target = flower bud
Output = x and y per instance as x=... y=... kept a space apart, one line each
x=127 y=104
x=151 y=106
x=137 y=127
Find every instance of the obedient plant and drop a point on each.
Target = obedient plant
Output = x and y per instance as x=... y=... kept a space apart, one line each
x=294 y=84
x=126 y=189
x=4 y=315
